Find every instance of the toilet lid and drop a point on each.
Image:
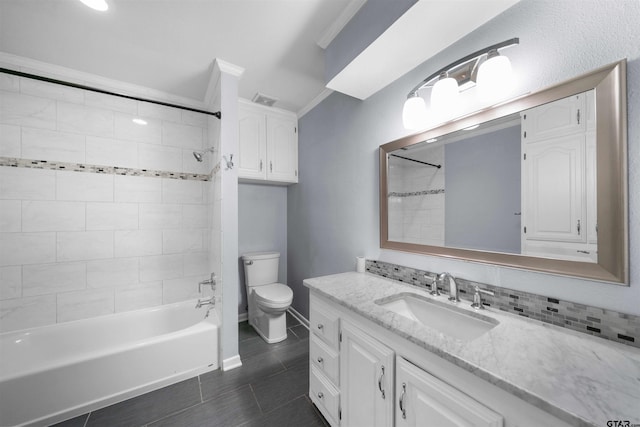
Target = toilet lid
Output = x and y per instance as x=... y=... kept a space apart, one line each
x=275 y=292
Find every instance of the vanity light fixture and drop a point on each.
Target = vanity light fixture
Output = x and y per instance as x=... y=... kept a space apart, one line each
x=486 y=68
x=99 y=5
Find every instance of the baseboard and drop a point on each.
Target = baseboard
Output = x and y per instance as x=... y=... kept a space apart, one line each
x=231 y=363
x=243 y=317
x=305 y=322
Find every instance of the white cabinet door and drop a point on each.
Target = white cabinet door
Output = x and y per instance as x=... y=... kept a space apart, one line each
x=282 y=149
x=562 y=117
x=424 y=400
x=366 y=380
x=251 y=143
x=553 y=187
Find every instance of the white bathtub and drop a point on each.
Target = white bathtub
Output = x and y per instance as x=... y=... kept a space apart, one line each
x=56 y=372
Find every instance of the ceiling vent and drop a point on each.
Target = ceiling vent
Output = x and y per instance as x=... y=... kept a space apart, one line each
x=262 y=99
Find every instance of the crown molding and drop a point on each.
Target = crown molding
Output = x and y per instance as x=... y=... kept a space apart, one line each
x=341 y=21
x=218 y=67
x=315 y=101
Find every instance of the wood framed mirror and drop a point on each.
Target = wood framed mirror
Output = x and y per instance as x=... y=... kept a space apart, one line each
x=570 y=221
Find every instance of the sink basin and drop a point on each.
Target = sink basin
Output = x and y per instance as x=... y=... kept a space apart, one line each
x=449 y=320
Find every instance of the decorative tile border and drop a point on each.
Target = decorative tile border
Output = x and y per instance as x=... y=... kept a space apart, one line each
x=608 y=324
x=416 y=193
x=112 y=170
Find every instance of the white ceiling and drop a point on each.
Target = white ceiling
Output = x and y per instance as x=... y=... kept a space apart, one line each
x=169 y=45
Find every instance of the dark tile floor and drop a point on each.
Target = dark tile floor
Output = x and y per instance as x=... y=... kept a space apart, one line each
x=270 y=389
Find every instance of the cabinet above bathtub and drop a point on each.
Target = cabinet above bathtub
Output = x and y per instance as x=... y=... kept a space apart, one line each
x=268 y=145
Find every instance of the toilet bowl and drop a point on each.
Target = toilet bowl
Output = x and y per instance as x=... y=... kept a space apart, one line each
x=268 y=300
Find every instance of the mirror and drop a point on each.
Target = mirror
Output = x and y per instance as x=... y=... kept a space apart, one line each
x=539 y=183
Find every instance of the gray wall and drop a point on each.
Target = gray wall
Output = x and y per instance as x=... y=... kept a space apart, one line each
x=482 y=192
x=333 y=211
x=262 y=226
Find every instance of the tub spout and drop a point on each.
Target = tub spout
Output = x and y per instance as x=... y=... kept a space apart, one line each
x=206 y=301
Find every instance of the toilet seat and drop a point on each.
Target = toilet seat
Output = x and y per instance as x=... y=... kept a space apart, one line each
x=273 y=295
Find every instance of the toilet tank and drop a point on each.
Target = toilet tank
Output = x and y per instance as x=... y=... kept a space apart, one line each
x=260 y=268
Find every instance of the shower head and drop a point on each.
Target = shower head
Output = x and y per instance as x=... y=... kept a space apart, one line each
x=198 y=154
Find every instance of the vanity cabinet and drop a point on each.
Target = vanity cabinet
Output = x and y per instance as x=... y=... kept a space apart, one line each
x=366 y=367
x=424 y=397
x=268 y=144
x=558 y=179
x=381 y=379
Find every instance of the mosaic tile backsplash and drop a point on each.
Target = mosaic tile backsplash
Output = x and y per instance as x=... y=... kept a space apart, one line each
x=607 y=324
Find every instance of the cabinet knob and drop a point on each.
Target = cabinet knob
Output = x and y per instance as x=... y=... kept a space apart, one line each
x=320 y=359
x=320 y=326
x=320 y=395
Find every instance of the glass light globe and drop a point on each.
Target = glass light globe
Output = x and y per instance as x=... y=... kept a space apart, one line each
x=444 y=96
x=100 y=5
x=414 y=113
x=495 y=78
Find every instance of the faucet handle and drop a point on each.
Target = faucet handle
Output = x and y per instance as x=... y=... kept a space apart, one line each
x=433 y=283
x=477 y=299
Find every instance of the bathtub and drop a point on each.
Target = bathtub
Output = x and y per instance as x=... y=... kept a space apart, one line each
x=53 y=373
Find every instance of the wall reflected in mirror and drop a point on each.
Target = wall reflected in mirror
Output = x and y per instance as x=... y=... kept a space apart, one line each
x=522 y=184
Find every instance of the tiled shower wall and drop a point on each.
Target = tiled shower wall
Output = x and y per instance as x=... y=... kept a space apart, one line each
x=416 y=200
x=113 y=216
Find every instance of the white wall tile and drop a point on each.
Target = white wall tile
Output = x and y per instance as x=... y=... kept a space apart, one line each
x=137 y=189
x=157 y=216
x=111 y=152
x=22 y=313
x=84 y=245
x=179 y=191
x=179 y=241
x=9 y=83
x=195 y=216
x=10 y=137
x=84 y=304
x=51 y=91
x=26 y=110
x=81 y=186
x=27 y=184
x=181 y=289
x=137 y=243
x=161 y=112
x=194 y=119
x=112 y=216
x=43 y=144
x=111 y=273
x=158 y=157
x=10 y=216
x=53 y=216
x=183 y=136
x=137 y=297
x=110 y=102
x=43 y=279
x=10 y=282
x=27 y=248
x=125 y=128
x=197 y=263
x=161 y=267
x=85 y=120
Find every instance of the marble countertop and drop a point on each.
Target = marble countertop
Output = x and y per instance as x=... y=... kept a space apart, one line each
x=584 y=380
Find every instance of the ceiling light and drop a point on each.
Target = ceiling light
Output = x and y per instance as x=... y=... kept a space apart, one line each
x=100 y=5
x=139 y=121
x=486 y=68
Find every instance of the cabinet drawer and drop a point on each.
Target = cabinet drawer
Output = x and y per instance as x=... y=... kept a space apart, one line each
x=325 y=359
x=325 y=396
x=325 y=323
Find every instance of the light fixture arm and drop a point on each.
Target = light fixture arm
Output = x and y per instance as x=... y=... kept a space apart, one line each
x=453 y=65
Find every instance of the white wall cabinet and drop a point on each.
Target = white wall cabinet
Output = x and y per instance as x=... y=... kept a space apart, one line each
x=378 y=386
x=268 y=144
x=559 y=216
x=366 y=368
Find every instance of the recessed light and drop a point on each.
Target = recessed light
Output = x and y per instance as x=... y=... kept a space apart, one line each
x=139 y=121
x=100 y=5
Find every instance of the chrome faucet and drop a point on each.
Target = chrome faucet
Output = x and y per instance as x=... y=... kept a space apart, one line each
x=207 y=301
x=453 y=286
x=434 y=285
x=209 y=282
x=477 y=299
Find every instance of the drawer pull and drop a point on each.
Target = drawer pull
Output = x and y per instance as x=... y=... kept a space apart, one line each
x=320 y=359
x=380 y=381
x=320 y=395
x=402 y=407
x=320 y=326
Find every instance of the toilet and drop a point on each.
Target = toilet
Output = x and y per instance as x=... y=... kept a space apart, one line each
x=268 y=300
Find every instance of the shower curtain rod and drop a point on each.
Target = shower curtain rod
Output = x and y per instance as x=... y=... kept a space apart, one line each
x=217 y=114
x=417 y=161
